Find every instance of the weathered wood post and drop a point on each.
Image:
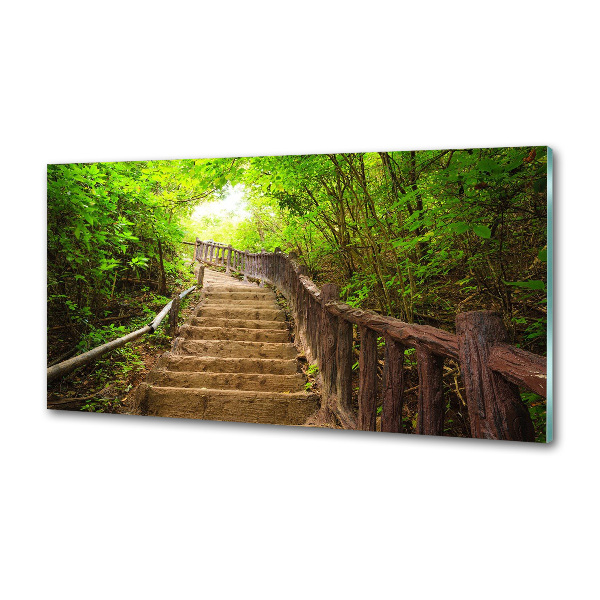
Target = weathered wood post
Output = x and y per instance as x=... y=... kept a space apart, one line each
x=291 y=280
x=212 y=250
x=327 y=341
x=344 y=360
x=200 y=276
x=430 y=367
x=228 y=266
x=173 y=315
x=275 y=270
x=195 y=250
x=261 y=268
x=393 y=386
x=495 y=407
x=245 y=265
x=302 y=308
x=367 y=391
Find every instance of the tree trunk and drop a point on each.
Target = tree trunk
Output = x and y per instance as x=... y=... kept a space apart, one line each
x=162 y=277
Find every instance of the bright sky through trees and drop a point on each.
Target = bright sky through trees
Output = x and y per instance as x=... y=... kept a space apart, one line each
x=231 y=208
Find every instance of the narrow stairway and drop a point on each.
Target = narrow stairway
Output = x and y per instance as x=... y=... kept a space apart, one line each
x=233 y=361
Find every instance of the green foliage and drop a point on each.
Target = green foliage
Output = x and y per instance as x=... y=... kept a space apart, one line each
x=528 y=285
x=111 y=223
x=398 y=230
x=537 y=410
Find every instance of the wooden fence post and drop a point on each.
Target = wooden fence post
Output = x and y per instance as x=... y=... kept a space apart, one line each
x=367 y=392
x=495 y=407
x=212 y=250
x=228 y=267
x=431 y=399
x=393 y=386
x=274 y=265
x=245 y=265
x=327 y=355
x=261 y=268
x=173 y=315
x=200 y=276
x=290 y=277
x=344 y=360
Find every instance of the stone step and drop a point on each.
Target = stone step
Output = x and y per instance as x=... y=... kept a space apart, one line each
x=232 y=361
x=236 y=323
x=228 y=349
x=189 y=332
x=202 y=364
x=242 y=287
x=225 y=405
x=228 y=381
x=242 y=303
x=241 y=295
x=229 y=312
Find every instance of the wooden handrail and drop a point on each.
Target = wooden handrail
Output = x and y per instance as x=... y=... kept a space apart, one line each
x=519 y=366
x=491 y=369
x=436 y=340
x=67 y=366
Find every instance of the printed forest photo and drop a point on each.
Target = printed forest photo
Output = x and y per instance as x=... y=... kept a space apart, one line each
x=401 y=292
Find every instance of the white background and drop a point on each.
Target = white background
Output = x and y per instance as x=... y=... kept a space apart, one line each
x=118 y=507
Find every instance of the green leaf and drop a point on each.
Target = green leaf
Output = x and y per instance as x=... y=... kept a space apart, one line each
x=534 y=284
x=543 y=255
x=482 y=231
x=459 y=227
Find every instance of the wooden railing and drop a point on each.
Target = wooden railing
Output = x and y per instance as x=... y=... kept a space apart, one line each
x=491 y=369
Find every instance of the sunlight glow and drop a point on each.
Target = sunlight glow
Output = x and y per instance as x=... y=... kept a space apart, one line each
x=231 y=208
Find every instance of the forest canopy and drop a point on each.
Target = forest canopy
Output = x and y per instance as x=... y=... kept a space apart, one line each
x=419 y=235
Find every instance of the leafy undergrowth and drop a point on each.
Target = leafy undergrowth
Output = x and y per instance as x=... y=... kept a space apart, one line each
x=103 y=385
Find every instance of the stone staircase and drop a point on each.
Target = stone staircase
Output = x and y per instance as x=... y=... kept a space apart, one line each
x=233 y=361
